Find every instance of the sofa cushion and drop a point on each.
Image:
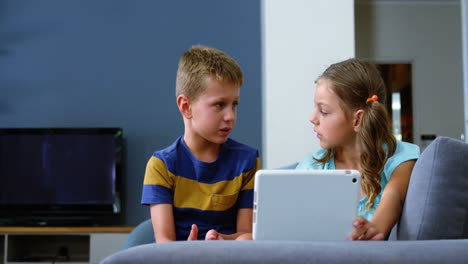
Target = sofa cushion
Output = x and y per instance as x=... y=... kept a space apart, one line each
x=436 y=205
x=291 y=166
x=284 y=252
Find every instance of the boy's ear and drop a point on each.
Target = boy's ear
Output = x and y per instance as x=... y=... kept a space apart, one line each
x=357 y=118
x=183 y=103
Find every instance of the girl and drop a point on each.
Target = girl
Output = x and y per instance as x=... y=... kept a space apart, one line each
x=353 y=127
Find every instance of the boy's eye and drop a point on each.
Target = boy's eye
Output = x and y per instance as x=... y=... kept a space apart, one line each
x=219 y=104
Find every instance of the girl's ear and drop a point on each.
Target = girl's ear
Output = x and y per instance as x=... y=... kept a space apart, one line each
x=357 y=118
x=183 y=103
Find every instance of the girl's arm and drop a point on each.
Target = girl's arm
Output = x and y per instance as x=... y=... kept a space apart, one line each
x=162 y=219
x=244 y=228
x=388 y=212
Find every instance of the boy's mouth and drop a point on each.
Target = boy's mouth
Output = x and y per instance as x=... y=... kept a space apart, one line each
x=225 y=130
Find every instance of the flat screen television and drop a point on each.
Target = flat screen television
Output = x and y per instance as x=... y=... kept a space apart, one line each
x=60 y=176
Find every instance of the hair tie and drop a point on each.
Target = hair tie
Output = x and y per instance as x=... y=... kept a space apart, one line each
x=373 y=98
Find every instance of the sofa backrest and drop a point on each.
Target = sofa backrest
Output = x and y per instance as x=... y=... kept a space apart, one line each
x=436 y=205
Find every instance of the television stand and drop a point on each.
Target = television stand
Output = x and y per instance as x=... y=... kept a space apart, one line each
x=57 y=221
x=60 y=244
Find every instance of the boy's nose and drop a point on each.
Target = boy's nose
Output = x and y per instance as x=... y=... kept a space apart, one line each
x=230 y=114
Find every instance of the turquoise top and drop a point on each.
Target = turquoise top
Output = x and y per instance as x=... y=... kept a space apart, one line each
x=404 y=152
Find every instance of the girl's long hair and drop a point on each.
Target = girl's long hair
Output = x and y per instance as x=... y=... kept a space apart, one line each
x=354 y=81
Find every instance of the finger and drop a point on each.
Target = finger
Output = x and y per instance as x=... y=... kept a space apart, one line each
x=359 y=222
x=374 y=234
x=355 y=236
x=193 y=233
x=211 y=235
x=379 y=236
x=361 y=226
x=358 y=233
x=370 y=233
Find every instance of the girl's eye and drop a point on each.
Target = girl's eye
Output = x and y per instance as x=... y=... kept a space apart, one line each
x=323 y=113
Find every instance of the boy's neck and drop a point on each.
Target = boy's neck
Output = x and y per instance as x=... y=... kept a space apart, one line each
x=202 y=150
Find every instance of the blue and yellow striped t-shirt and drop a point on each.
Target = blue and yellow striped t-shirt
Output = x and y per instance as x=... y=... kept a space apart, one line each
x=206 y=194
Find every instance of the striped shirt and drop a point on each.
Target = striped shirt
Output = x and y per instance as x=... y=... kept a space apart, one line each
x=206 y=194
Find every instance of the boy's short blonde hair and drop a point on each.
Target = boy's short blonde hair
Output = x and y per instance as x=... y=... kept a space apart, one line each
x=200 y=62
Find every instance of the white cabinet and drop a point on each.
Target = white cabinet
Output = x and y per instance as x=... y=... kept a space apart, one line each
x=60 y=244
x=102 y=245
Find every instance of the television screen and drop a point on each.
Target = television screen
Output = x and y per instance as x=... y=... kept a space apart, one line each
x=59 y=176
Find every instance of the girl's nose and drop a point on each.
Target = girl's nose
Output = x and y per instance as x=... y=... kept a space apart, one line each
x=313 y=118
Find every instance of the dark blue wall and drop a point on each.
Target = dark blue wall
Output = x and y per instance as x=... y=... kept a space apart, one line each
x=112 y=63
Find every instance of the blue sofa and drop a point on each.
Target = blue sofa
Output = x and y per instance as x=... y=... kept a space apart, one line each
x=433 y=227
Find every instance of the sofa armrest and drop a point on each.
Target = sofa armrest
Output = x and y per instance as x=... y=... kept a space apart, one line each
x=436 y=205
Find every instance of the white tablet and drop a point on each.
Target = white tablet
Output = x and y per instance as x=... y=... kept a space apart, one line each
x=305 y=204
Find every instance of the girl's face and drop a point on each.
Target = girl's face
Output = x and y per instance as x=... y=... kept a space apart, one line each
x=334 y=126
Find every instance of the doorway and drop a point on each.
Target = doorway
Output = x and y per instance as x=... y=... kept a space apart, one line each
x=398 y=82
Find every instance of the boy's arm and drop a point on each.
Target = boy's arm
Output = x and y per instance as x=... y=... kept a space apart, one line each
x=244 y=220
x=162 y=219
x=389 y=210
x=244 y=224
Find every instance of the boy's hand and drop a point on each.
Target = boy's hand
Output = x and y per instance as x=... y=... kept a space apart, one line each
x=213 y=235
x=365 y=230
x=193 y=233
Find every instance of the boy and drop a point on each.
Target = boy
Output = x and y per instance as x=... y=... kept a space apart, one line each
x=201 y=186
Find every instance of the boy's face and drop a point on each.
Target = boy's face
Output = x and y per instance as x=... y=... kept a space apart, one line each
x=334 y=127
x=214 y=111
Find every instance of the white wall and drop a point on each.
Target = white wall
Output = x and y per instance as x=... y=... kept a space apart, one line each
x=464 y=15
x=300 y=39
x=428 y=34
